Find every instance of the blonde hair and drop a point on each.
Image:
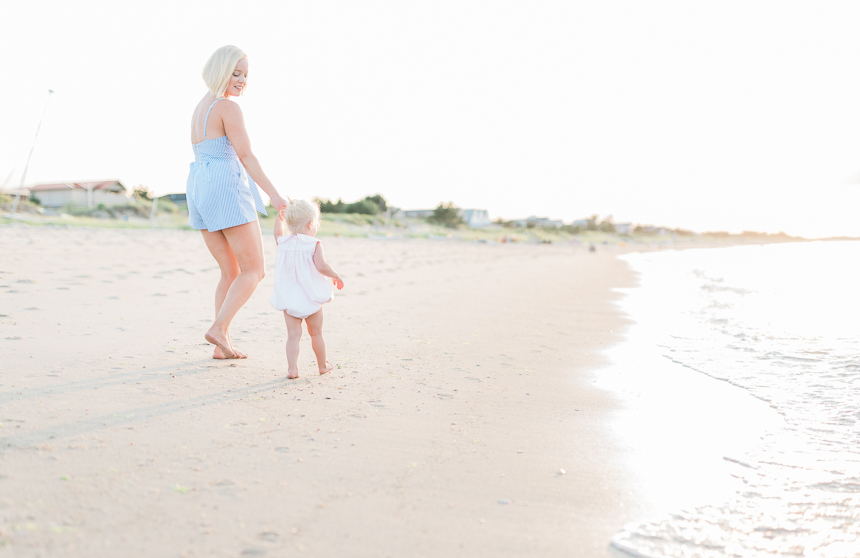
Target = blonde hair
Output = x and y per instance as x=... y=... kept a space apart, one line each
x=219 y=67
x=299 y=213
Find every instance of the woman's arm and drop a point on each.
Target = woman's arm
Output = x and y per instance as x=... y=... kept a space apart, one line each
x=323 y=267
x=234 y=126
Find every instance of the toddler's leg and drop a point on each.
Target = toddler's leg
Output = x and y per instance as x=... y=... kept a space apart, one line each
x=294 y=338
x=315 y=323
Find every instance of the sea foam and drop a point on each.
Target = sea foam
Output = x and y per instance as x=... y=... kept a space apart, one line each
x=778 y=324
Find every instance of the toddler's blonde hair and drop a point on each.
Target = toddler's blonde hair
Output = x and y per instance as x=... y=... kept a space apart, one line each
x=299 y=213
x=219 y=67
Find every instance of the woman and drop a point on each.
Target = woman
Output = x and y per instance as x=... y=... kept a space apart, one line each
x=223 y=199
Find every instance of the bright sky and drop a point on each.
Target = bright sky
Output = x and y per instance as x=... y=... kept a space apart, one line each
x=704 y=115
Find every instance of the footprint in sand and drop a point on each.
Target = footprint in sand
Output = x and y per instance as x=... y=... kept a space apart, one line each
x=269 y=536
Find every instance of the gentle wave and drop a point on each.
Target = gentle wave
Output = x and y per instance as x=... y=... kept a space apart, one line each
x=779 y=321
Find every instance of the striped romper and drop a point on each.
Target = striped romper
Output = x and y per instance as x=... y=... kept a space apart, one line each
x=220 y=192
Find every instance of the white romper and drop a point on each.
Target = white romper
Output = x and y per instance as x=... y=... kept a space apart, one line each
x=300 y=289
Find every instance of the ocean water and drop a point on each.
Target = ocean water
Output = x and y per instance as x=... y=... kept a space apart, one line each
x=778 y=473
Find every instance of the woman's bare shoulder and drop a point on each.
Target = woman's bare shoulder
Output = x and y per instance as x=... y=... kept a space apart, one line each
x=228 y=108
x=203 y=104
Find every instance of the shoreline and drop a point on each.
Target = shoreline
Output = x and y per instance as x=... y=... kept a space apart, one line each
x=444 y=431
x=684 y=429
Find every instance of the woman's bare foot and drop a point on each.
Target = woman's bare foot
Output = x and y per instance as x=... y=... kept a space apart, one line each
x=221 y=342
x=219 y=354
x=327 y=368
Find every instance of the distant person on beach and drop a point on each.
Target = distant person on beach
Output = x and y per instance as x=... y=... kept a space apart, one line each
x=301 y=287
x=223 y=199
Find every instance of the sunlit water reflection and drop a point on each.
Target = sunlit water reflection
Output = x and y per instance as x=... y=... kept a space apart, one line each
x=780 y=322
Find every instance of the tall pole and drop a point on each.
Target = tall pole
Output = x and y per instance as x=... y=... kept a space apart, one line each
x=32 y=147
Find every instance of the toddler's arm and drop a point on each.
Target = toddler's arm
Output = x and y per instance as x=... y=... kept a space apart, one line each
x=280 y=225
x=323 y=267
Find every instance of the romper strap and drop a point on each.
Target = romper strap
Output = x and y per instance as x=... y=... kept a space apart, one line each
x=205 y=122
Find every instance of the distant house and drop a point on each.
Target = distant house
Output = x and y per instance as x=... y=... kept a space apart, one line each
x=178 y=199
x=542 y=222
x=648 y=229
x=476 y=217
x=471 y=217
x=417 y=213
x=624 y=228
x=581 y=223
x=81 y=194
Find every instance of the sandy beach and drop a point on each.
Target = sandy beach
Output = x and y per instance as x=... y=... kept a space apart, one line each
x=463 y=388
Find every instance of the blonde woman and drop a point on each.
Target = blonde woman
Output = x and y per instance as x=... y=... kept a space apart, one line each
x=223 y=199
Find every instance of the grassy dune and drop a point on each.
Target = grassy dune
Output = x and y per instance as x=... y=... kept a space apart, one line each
x=136 y=216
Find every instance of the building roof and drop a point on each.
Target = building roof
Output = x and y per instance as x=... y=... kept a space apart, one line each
x=107 y=185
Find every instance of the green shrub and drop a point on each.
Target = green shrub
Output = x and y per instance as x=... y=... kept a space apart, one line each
x=606 y=225
x=326 y=206
x=370 y=205
x=446 y=215
x=142 y=192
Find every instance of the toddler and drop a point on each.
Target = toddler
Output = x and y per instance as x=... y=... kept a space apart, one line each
x=300 y=286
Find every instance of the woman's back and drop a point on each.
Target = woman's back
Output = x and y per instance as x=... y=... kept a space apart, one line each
x=214 y=127
x=220 y=192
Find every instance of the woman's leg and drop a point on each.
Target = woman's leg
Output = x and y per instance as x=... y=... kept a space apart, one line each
x=220 y=249
x=294 y=340
x=246 y=244
x=315 y=323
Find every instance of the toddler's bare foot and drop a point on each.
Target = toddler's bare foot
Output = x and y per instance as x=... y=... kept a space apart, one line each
x=221 y=342
x=292 y=374
x=327 y=368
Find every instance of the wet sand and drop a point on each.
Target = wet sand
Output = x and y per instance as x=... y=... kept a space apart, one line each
x=464 y=385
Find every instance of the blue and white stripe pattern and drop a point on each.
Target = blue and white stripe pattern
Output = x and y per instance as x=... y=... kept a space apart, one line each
x=220 y=192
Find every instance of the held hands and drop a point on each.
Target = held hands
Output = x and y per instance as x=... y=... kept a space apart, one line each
x=279 y=203
x=338 y=282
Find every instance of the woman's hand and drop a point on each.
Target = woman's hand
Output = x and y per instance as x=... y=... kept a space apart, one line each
x=279 y=203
